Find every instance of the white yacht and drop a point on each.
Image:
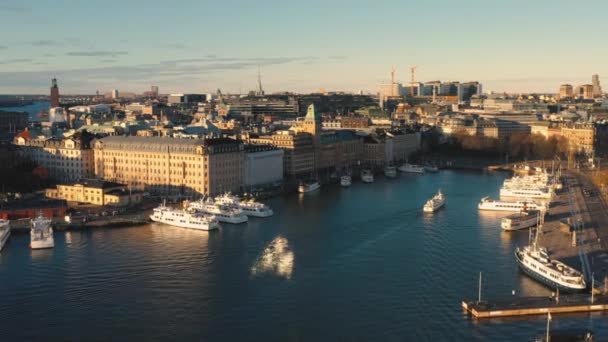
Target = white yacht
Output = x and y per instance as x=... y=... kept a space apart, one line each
x=526 y=192
x=367 y=176
x=183 y=218
x=41 y=233
x=221 y=212
x=411 y=168
x=390 y=171
x=346 y=181
x=521 y=220
x=535 y=262
x=309 y=186
x=249 y=207
x=5 y=232
x=434 y=203
x=487 y=203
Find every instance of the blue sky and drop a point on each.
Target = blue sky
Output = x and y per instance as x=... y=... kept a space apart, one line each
x=302 y=46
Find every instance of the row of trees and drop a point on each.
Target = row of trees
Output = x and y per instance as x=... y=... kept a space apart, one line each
x=517 y=146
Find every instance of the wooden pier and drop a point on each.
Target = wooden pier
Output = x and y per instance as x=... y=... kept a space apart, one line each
x=524 y=306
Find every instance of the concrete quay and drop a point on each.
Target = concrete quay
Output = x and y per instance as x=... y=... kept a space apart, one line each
x=575 y=231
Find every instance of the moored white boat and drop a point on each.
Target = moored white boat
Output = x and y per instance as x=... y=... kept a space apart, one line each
x=346 y=181
x=431 y=168
x=222 y=213
x=5 y=232
x=367 y=176
x=526 y=192
x=535 y=262
x=184 y=218
x=411 y=168
x=390 y=171
x=310 y=186
x=434 y=203
x=487 y=203
x=41 y=233
x=521 y=220
x=249 y=207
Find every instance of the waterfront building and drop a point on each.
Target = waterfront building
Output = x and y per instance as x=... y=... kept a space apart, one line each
x=171 y=166
x=54 y=93
x=67 y=159
x=581 y=137
x=96 y=192
x=299 y=151
x=565 y=91
x=263 y=165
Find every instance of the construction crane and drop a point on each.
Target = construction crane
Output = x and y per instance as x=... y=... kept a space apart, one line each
x=413 y=72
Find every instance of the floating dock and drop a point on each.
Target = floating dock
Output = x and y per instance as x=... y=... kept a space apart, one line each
x=524 y=306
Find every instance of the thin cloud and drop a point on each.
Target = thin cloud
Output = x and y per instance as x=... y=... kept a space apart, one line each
x=46 y=42
x=3 y=47
x=14 y=9
x=16 y=61
x=107 y=61
x=96 y=53
x=337 y=58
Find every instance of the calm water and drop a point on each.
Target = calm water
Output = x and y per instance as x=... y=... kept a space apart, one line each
x=32 y=109
x=361 y=264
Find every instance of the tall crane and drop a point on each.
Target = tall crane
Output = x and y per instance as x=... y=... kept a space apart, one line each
x=413 y=80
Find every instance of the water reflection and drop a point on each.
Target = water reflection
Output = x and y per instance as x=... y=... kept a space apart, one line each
x=277 y=259
x=39 y=255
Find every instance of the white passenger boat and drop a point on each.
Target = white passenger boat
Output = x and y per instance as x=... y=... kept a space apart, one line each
x=309 y=186
x=487 y=203
x=411 y=168
x=521 y=220
x=367 y=176
x=434 y=203
x=41 y=233
x=5 y=232
x=390 y=171
x=222 y=213
x=535 y=262
x=184 y=218
x=346 y=181
x=249 y=207
x=527 y=192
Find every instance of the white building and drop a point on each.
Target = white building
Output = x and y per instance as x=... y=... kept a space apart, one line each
x=114 y=93
x=263 y=165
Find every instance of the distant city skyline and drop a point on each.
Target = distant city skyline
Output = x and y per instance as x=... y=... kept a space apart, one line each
x=200 y=46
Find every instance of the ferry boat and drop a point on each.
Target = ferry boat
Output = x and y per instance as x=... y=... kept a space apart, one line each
x=5 y=232
x=249 y=207
x=526 y=192
x=41 y=233
x=222 y=213
x=346 y=181
x=521 y=220
x=309 y=186
x=390 y=171
x=183 y=218
x=367 y=176
x=535 y=262
x=487 y=203
x=434 y=203
x=411 y=168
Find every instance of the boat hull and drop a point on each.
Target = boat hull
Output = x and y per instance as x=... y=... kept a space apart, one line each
x=185 y=225
x=308 y=188
x=542 y=279
x=429 y=209
x=42 y=244
x=4 y=238
x=266 y=213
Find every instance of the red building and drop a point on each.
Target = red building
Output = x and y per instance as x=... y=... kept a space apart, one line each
x=29 y=209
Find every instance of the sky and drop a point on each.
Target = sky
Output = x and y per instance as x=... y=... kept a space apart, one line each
x=298 y=46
